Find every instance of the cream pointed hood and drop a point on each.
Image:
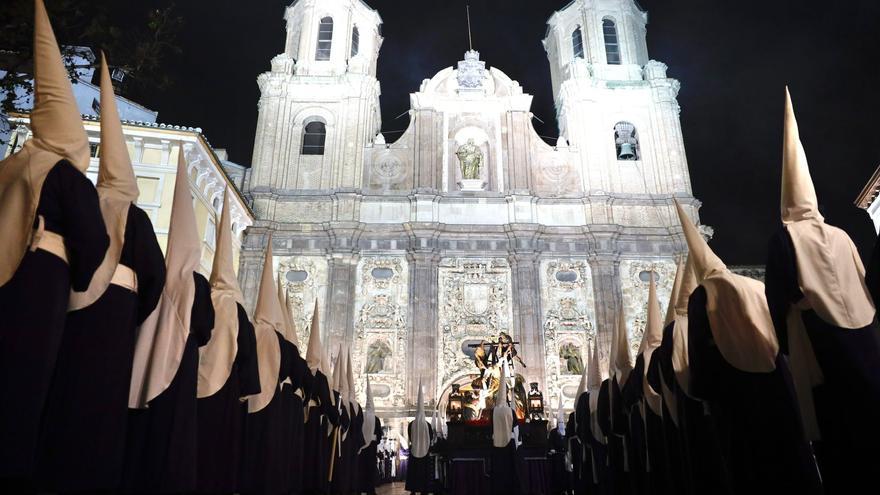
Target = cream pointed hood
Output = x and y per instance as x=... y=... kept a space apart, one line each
x=58 y=134
x=369 y=428
x=560 y=417
x=595 y=378
x=736 y=307
x=289 y=332
x=680 y=359
x=315 y=351
x=217 y=357
x=651 y=340
x=117 y=190
x=502 y=415
x=620 y=352
x=673 y=296
x=830 y=271
x=162 y=337
x=421 y=438
x=349 y=374
x=268 y=323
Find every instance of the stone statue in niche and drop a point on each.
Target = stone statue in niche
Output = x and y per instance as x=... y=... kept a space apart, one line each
x=570 y=360
x=377 y=356
x=471 y=157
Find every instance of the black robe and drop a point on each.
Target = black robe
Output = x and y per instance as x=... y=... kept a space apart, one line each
x=162 y=439
x=299 y=373
x=368 y=473
x=611 y=475
x=339 y=462
x=33 y=305
x=323 y=416
x=848 y=402
x=661 y=377
x=582 y=456
x=646 y=431
x=221 y=417
x=419 y=471
x=754 y=415
x=620 y=450
x=356 y=441
x=557 y=448
x=504 y=476
x=264 y=453
x=83 y=438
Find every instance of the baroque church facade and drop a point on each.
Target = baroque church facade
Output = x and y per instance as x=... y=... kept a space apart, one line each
x=469 y=224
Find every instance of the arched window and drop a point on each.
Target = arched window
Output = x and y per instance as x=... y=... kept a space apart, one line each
x=355 y=41
x=626 y=141
x=325 y=39
x=612 y=47
x=314 y=135
x=577 y=42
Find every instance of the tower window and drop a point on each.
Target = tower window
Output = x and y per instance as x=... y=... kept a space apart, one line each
x=314 y=136
x=325 y=39
x=577 y=42
x=355 y=41
x=626 y=141
x=612 y=46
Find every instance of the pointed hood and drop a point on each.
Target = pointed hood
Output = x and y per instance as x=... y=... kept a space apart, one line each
x=117 y=190
x=369 y=427
x=352 y=393
x=799 y=200
x=315 y=352
x=421 y=438
x=595 y=378
x=295 y=333
x=582 y=384
x=58 y=134
x=502 y=414
x=680 y=359
x=560 y=418
x=435 y=424
x=705 y=261
x=650 y=342
x=736 y=307
x=268 y=324
x=217 y=357
x=289 y=332
x=623 y=362
x=162 y=336
x=673 y=296
x=55 y=119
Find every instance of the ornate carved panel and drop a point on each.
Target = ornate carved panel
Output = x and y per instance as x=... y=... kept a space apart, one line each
x=474 y=304
x=380 y=339
x=567 y=296
x=634 y=277
x=304 y=278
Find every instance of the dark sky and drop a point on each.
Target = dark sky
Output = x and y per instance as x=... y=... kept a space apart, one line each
x=733 y=59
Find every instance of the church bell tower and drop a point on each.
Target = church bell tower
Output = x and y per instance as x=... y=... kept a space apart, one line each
x=319 y=103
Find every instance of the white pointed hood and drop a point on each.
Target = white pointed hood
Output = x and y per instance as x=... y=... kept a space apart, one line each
x=268 y=323
x=421 y=438
x=58 y=134
x=620 y=352
x=560 y=418
x=830 y=271
x=315 y=351
x=737 y=308
x=369 y=428
x=162 y=337
x=117 y=190
x=502 y=415
x=349 y=374
x=217 y=357
x=651 y=340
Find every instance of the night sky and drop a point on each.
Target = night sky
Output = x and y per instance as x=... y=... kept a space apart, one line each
x=733 y=59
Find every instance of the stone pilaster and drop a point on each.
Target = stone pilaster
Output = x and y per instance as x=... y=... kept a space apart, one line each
x=606 y=285
x=526 y=299
x=424 y=260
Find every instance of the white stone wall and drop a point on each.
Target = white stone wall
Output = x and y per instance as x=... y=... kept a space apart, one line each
x=635 y=293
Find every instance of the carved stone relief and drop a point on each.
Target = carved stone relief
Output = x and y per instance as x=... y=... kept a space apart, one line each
x=380 y=339
x=567 y=295
x=634 y=278
x=305 y=279
x=474 y=304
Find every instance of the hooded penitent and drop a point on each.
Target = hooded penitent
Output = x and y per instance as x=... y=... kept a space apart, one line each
x=620 y=353
x=289 y=332
x=268 y=319
x=162 y=337
x=502 y=415
x=421 y=439
x=58 y=135
x=315 y=351
x=673 y=296
x=117 y=190
x=349 y=374
x=294 y=335
x=582 y=387
x=369 y=428
x=594 y=383
x=560 y=418
x=650 y=342
x=830 y=271
x=736 y=307
x=217 y=357
x=680 y=333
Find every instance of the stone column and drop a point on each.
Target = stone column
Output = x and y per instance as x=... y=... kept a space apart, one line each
x=341 y=282
x=526 y=299
x=422 y=324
